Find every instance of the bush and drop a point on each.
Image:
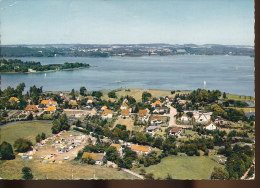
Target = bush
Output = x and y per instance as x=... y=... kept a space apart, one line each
x=27 y=173
x=6 y=151
x=23 y=145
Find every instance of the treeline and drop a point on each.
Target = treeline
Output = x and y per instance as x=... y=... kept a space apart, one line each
x=16 y=65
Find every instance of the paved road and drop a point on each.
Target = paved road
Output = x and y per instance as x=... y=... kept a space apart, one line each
x=133 y=173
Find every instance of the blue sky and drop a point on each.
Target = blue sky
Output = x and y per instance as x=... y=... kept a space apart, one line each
x=127 y=21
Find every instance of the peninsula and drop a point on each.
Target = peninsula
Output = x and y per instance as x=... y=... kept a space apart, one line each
x=18 y=66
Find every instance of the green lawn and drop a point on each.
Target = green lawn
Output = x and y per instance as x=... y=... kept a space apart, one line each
x=26 y=129
x=184 y=167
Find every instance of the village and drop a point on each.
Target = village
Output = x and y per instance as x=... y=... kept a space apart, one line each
x=132 y=134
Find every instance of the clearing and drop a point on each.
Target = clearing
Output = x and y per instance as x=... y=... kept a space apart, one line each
x=25 y=129
x=183 y=167
x=128 y=122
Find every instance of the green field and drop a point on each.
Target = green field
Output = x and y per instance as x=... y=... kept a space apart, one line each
x=183 y=167
x=13 y=170
x=137 y=93
x=26 y=129
x=240 y=97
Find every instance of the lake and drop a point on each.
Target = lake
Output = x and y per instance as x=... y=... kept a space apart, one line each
x=232 y=74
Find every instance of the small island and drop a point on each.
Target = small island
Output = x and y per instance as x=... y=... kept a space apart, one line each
x=18 y=66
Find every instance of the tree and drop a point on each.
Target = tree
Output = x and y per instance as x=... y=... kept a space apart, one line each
x=22 y=145
x=38 y=138
x=169 y=177
x=224 y=95
x=112 y=154
x=30 y=117
x=219 y=174
x=82 y=90
x=6 y=151
x=27 y=173
x=145 y=96
x=43 y=136
x=112 y=94
x=72 y=93
x=149 y=176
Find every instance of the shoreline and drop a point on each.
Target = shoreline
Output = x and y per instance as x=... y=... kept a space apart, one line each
x=71 y=69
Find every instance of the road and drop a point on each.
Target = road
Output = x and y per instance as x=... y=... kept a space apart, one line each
x=172 y=113
x=133 y=173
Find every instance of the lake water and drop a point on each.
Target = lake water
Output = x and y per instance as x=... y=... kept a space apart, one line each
x=232 y=74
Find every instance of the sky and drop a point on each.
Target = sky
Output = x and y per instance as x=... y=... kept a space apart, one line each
x=228 y=22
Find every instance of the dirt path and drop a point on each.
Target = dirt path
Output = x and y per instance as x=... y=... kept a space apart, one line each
x=172 y=113
x=244 y=176
x=133 y=173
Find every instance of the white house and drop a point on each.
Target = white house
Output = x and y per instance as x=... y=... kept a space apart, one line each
x=202 y=117
x=184 y=117
x=211 y=126
x=107 y=114
x=175 y=131
x=124 y=106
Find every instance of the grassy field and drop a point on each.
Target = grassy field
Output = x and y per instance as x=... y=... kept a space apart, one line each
x=246 y=109
x=129 y=123
x=13 y=170
x=240 y=97
x=26 y=129
x=137 y=93
x=183 y=167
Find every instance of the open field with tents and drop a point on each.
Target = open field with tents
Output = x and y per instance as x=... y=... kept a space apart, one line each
x=25 y=129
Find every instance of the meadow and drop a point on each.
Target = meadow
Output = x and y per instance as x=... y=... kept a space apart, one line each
x=183 y=167
x=25 y=129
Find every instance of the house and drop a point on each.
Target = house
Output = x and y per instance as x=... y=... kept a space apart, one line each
x=48 y=102
x=97 y=157
x=124 y=106
x=202 y=117
x=156 y=119
x=143 y=115
x=125 y=113
x=51 y=109
x=140 y=150
x=104 y=107
x=184 y=117
x=152 y=129
x=160 y=110
x=107 y=114
x=175 y=131
x=13 y=99
x=73 y=103
x=31 y=108
x=211 y=126
x=156 y=103
x=90 y=99
x=221 y=122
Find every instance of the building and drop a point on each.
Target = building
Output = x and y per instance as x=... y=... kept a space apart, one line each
x=104 y=107
x=143 y=115
x=51 y=109
x=97 y=157
x=90 y=99
x=107 y=114
x=118 y=148
x=156 y=119
x=31 y=108
x=13 y=99
x=156 y=103
x=184 y=117
x=152 y=129
x=175 y=131
x=125 y=113
x=202 y=117
x=124 y=106
x=141 y=150
x=211 y=126
x=73 y=103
